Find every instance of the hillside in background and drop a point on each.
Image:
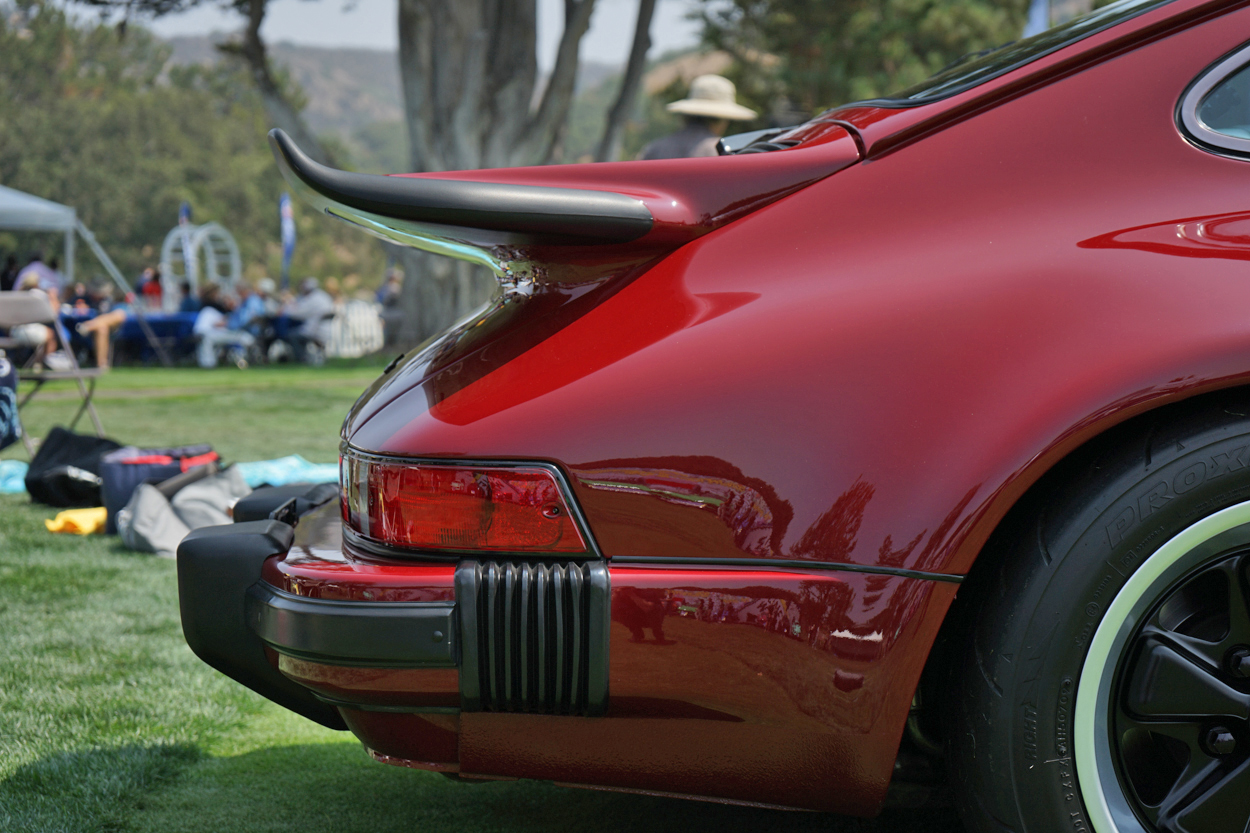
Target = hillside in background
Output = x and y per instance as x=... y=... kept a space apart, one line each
x=353 y=94
x=347 y=89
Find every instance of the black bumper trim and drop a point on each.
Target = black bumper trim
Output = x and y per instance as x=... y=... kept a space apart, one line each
x=362 y=634
x=216 y=567
x=526 y=636
x=375 y=707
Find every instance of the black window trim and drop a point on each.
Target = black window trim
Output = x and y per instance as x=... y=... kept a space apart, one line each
x=1188 y=120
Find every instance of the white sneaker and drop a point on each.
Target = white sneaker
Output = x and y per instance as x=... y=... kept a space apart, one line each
x=58 y=361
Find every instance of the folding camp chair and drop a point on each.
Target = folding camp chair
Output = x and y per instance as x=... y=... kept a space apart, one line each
x=17 y=308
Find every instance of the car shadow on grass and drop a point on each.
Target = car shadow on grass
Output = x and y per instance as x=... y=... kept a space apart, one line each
x=336 y=787
x=94 y=789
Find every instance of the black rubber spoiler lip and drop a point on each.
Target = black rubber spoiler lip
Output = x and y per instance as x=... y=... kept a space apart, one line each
x=546 y=215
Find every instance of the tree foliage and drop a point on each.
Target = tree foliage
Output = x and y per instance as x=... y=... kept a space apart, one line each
x=472 y=98
x=104 y=124
x=820 y=53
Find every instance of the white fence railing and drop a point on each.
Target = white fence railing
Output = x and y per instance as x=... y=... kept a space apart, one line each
x=356 y=330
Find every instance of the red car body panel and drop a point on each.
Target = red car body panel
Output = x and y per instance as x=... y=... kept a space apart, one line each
x=792 y=428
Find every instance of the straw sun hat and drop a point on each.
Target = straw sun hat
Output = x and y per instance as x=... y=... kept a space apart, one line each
x=712 y=96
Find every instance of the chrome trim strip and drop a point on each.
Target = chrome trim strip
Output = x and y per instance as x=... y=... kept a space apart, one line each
x=1187 y=110
x=778 y=564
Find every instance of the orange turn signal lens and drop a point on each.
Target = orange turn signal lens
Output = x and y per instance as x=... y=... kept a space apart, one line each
x=458 y=508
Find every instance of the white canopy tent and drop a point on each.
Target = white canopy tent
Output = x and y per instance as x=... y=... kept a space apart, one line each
x=20 y=211
x=24 y=212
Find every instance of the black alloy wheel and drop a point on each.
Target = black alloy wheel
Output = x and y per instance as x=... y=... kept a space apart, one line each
x=1101 y=673
x=1181 y=705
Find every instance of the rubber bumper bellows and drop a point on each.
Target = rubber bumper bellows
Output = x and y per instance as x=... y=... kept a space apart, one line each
x=216 y=567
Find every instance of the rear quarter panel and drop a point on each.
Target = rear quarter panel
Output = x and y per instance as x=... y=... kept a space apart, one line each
x=870 y=371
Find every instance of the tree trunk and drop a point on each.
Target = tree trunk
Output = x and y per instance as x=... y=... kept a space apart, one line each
x=538 y=140
x=278 y=106
x=469 y=71
x=610 y=145
x=436 y=292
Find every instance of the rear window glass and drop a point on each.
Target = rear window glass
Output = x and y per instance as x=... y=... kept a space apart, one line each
x=980 y=67
x=1226 y=109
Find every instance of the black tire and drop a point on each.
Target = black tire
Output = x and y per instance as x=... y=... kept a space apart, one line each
x=1066 y=571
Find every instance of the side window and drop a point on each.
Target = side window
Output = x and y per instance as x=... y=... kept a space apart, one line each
x=1226 y=109
x=1215 y=110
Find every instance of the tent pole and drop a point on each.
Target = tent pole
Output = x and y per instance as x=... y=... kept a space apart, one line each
x=121 y=282
x=69 y=258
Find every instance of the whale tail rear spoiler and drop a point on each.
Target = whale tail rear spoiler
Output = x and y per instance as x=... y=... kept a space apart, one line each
x=504 y=218
x=481 y=212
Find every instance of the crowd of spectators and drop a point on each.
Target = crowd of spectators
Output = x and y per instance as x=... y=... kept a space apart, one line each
x=233 y=322
x=242 y=320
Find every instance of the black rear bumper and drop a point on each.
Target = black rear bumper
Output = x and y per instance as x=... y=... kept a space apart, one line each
x=526 y=637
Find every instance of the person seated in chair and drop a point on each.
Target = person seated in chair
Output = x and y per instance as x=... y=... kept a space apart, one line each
x=314 y=308
x=101 y=328
x=190 y=302
x=250 y=312
x=214 y=330
x=38 y=337
x=49 y=279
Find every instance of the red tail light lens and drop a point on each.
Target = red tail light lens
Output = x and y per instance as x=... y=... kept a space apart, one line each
x=458 y=508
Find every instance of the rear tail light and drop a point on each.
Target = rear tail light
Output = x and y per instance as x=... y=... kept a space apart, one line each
x=460 y=508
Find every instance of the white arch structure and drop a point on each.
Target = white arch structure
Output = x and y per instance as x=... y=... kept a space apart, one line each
x=223 y=265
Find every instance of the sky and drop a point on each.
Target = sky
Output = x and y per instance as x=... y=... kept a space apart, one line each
x=371 y=23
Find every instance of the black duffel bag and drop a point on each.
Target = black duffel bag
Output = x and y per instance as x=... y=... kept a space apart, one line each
x=66 y=469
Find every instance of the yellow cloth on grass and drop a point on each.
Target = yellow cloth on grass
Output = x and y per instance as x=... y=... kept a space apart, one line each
x=78 y=521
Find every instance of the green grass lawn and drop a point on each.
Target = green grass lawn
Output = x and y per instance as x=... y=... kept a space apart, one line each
x=109 y=723
x=256 y=414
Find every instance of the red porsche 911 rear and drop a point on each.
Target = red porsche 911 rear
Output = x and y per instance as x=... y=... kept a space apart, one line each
x=683 y=511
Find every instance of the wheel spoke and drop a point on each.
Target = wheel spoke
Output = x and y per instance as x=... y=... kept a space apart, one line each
x=1234 y=608
x=1238 y=603
x=1158 y=774
x=1188 y=732
x=1211 y=652
x=1210 y=801
x=1167 y=684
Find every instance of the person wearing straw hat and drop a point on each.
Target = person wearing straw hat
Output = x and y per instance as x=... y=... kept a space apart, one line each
x=708 y=109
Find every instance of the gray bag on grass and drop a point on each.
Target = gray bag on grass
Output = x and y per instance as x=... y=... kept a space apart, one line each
x=205 y=502
x=150 y=522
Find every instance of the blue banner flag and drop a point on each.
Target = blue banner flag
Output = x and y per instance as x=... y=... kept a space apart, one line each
x=287 y=215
